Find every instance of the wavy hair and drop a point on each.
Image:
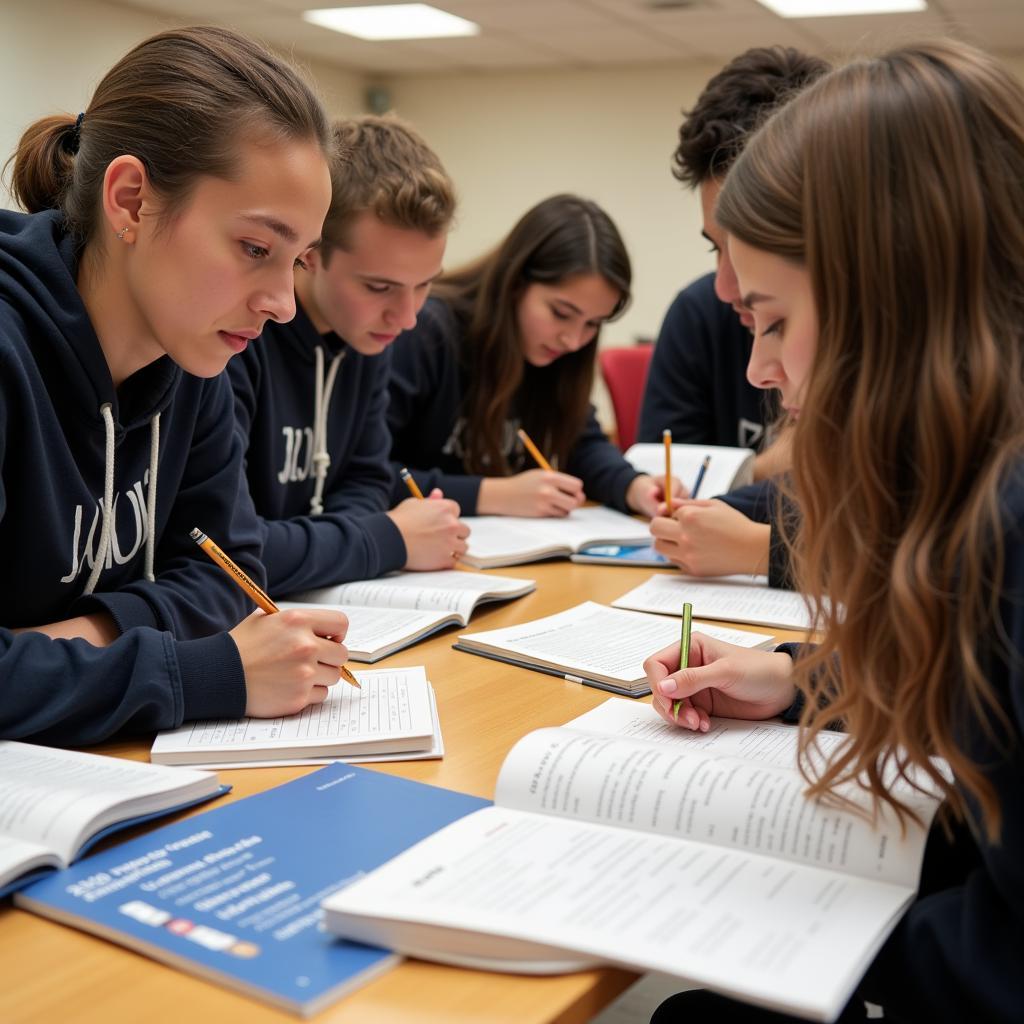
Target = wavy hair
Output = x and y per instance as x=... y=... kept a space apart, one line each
x=897 y=183
x=561 y=236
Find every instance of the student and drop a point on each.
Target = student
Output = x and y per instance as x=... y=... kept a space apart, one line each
x=509 y=342
x=310 y=399
x=876 y=226
x=163 y=226
x=697 y=385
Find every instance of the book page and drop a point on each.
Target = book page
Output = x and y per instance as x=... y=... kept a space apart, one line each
x=442 y=591
x=18 y=857
x=372 y=630
x=783 y=934
x=594 y=523
x=593 y=639
x=734 y=602
x=58 y=798
x=706 y=797
x=393 y=705
x=728 y=469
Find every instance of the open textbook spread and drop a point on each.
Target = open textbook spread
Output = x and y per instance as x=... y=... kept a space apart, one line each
x=733 y=598
x=619 y=840
x=728 y=468
x=55 y=804
x=393 y=717
x=387 y=614
x=595 y=645
x=511 y=540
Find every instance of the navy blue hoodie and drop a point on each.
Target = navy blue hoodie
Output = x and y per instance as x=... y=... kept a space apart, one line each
x=352 y=538
x=428 y=385
x=172 y=661
x=697 y=385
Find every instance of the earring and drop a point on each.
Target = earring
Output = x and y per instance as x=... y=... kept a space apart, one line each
x=122 y=233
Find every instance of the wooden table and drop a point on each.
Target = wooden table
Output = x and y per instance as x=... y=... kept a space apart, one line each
x=54 y=973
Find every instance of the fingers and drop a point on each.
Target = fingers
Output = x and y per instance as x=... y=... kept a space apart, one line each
x=319 y=693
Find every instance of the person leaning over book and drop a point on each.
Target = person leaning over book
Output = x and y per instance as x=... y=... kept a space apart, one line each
x=310 y=400
x=697 y=385
x=163 y=226
x=891 y=322
x=509 y=342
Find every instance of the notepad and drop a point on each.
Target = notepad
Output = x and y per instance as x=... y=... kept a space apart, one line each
x=495 y=541
x=733 y=598
x=388 y=614
x=728 y=468
x=594 y=645
x=391 y=715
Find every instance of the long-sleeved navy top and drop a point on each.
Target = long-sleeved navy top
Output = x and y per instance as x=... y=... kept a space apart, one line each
x=173 y=659
x=697 y=384
x=428 y=386
x=352 y=538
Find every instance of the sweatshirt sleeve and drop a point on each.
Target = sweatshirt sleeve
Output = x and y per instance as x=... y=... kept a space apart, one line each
x=70 y=693
x=353 y=538
x=191 y=596
x=606 y=475
x=679 y=393
x=425 y=399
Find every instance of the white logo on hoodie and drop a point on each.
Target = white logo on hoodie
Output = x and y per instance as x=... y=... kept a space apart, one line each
x=84 y=558
x=294 y=437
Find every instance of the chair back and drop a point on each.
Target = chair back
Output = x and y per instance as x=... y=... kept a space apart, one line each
x=625 y=374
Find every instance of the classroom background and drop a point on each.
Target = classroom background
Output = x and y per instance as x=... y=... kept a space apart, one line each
x=552 y=96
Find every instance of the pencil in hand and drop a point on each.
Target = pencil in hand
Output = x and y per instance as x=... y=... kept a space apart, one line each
x=534 y=450
x=255 y=592
x=666 y=436
x=684 y=651
x=700 y=475
x=407 y=479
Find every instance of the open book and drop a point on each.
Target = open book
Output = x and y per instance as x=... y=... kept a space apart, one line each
x=619 y=840
x=55 y=804
x=393 y=612
x=728 y=468
x=594 y=644
x=733 y=598
x=393 y=717
x=511 y=540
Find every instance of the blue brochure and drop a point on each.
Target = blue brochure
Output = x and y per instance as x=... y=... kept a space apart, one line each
x=621 y=554
x=234 y=894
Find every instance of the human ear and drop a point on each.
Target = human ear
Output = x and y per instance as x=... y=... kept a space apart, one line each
x=126 y=190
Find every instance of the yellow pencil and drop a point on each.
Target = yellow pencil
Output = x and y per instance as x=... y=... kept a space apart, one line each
x=414 y=488
x=666 y=436
x=255 y=592
x=534 y=450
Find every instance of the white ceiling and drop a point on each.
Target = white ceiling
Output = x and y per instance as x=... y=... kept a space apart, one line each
x=522 y=34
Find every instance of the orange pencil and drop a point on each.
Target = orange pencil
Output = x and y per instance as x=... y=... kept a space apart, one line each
x=534 y=450
x=666 y=436
x=255 y=592
x=414 y=488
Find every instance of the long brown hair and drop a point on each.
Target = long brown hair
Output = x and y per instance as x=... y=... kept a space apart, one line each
x=558 y=238
x=179 y=101
x=897 y=183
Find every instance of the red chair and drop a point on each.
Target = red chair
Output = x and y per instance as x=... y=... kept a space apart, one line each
x=625 y=373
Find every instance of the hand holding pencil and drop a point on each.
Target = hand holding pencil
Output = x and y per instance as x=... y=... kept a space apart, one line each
x=290 y=659
x=434 y=535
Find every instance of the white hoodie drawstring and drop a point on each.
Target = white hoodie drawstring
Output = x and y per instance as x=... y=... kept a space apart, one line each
x=103 y=551
x=321 y=406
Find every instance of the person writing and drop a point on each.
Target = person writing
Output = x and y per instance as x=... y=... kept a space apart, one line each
x=876 y=224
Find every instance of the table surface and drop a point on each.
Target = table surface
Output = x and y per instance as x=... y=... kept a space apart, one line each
x=55 y=973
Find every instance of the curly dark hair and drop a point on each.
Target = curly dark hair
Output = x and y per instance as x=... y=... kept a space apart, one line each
x=733 y=104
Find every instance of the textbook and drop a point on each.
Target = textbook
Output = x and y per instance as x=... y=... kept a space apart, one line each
x=594 y=645
x=56 y=804
x=393 y=714
x=733 y=598
x=619 y=840
x=233 y=895
x=621 y=554
x=495 y=541
x=728 y=468
x=387 y=614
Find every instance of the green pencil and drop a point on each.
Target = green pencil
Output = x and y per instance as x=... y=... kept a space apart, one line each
x=684 y=650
